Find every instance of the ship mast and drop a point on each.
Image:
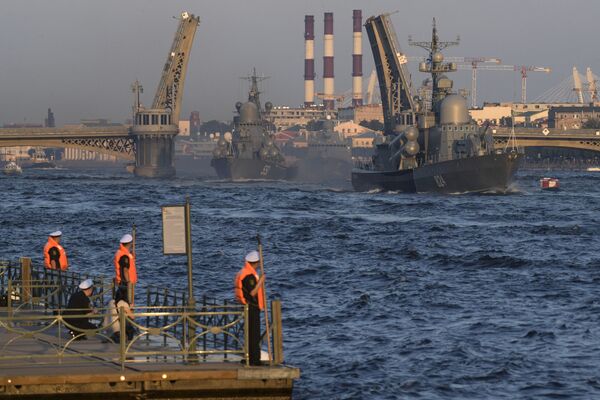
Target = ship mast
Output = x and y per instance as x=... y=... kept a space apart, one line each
x=436 y=67
x=254 y=93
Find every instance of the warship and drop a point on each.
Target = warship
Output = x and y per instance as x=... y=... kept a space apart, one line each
x=426 y=147
x=193 y=156
x=252 y=153
x=324 y=155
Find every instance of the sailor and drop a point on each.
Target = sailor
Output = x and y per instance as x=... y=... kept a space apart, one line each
x=125 y=271
x=80 y=305
x=54 y=254
x=249 y=290
x=55 y=260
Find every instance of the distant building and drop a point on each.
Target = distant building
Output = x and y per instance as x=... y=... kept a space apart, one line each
x=195 y=124
x=49 y=121
x=184 y=128
x=367 y=112
x=491 y=112
x=284 y=117
x=528 y=114
x=350 y=129
x=362 y=145
x=365 y=140
x=572 y=117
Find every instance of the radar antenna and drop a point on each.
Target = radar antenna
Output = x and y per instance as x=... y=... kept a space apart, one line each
x=441 y=86
x=254 y=93
x=435 y=45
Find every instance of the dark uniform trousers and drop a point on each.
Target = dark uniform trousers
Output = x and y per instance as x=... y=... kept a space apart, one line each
x=254 y=334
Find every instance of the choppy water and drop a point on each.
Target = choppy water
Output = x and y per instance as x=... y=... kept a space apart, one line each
x=385 y=295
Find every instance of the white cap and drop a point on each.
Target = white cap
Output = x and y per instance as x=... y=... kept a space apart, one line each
x=252 y=256
x=127 y=238
x=88 y=283
x=56 y=233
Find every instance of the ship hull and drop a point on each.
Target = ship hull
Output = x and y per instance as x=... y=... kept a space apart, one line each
x=489 y=173
x=189 y=166
x=324 y=170
x=251 y=169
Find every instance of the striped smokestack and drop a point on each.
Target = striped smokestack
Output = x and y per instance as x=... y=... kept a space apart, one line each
x=357 y=98
x=328 y=87
x=309 y=60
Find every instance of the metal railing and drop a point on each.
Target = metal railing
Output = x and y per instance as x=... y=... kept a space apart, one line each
x=62 y=333
x=211 y=327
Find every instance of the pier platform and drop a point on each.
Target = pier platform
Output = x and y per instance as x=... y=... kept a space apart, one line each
x=177 y=351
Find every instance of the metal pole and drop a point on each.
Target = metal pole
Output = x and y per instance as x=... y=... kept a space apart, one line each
x=188 y=250
x=130 y=286
x=191 y=328
x=262 y=273
x=122 y=337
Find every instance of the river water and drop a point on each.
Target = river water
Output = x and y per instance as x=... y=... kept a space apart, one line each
x=384 y=295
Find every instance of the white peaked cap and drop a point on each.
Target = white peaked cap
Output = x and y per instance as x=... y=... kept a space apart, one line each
x=88 y=283
x=252 y=256
x=56 y=233
x=127 y=238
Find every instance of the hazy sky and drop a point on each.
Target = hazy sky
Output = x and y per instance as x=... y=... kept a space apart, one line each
x=79 y=57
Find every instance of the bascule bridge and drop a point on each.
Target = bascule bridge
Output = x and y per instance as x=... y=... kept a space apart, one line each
x=150 y=140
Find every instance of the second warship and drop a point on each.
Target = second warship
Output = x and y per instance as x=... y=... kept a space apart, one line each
x=252 y=153
x=439 y=150
x=324 y=155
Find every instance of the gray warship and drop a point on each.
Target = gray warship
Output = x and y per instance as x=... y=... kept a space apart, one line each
x=252 y=153
x=324 y=155
x=429 y=148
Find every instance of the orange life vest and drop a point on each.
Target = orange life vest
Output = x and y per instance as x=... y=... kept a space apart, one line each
x=239 y=291
x=132 y=271
x=62 y=256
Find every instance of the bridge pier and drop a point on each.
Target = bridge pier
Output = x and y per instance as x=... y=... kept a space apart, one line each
x=155 y=144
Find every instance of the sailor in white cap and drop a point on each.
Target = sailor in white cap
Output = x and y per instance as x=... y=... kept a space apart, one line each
x=125 y=271
x=55 y=256
x=249 y=290
x=80 y=304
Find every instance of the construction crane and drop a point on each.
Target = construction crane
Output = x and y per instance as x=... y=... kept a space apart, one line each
x=467 y=63
x=523 y=69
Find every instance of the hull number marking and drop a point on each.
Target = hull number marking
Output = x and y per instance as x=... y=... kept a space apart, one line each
x=439 y=181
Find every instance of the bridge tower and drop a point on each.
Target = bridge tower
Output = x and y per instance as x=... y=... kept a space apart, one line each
x=155 y=128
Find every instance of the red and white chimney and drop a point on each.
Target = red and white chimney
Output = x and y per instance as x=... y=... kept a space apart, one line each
x=309 y=60
x=357 y=97
x=328 y=85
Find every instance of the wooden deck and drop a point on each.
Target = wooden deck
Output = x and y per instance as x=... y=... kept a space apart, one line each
x=92 y=368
